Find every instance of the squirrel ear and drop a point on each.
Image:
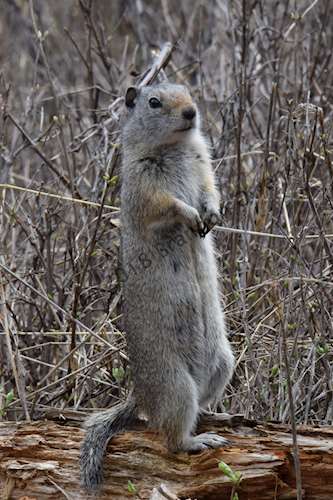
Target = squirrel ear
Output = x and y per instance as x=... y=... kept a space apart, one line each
x=131 y=95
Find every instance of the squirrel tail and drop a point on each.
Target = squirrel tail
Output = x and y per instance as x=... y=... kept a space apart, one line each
x=100 y=428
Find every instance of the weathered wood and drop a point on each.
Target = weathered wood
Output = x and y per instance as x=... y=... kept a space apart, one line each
x=40 y=461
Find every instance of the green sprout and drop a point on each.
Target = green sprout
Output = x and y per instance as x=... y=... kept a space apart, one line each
x=8 y=399
x=235 y=478
x=131 y=488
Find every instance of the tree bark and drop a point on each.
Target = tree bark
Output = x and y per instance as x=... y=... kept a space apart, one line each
x=40 y=461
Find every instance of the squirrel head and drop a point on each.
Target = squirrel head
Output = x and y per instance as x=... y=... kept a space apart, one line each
x=159 y=114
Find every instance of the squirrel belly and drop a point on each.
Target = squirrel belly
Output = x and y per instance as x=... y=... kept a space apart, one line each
x=181 y=359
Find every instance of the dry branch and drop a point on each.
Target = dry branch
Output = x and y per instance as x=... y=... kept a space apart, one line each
x=40 y=461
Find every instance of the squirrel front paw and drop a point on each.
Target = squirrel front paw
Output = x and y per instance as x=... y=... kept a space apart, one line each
x=194 y=221
x=210 y=217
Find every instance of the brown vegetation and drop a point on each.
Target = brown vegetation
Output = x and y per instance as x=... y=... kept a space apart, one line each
x=261 y=74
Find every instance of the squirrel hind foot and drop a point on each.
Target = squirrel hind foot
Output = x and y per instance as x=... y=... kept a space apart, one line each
x=205 y=441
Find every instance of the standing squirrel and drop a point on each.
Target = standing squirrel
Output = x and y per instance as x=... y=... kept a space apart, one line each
x=180 y=356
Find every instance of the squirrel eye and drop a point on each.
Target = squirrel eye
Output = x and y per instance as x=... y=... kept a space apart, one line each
x=155 y=103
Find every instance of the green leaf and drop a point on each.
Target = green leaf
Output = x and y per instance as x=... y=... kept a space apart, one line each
x=234 y=476
x=227 y=470
x=118 y=373
x=114 y=180
x=9 y=397
x=238 y=476
x=252 y=296
x=322 y=349
x=131 y=488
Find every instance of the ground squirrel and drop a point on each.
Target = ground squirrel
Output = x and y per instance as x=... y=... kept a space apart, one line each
x=180 y=356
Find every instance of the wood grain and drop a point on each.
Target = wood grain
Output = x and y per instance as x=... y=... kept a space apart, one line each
x=40 y=461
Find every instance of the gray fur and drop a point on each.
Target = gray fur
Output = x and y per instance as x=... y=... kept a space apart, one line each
x=180 y=355
x=99 y=430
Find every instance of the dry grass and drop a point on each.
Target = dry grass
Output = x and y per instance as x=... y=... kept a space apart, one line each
x=261 y=73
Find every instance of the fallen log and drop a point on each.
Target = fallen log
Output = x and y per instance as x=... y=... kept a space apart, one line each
x=40 y=461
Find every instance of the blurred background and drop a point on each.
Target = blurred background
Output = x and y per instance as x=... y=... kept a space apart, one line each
x=261 y=73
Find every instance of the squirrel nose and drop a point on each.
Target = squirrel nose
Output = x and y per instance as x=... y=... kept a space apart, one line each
x=189 y=113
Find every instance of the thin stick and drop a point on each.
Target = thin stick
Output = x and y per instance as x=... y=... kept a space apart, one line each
x=266 y=235
x=34 y=146
x=57 y=196
x=285 y=211
x=284 y=323
x=17 y=376
x=117 y=209
x=55 y=305
x=292 y=26
x=159 y=64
